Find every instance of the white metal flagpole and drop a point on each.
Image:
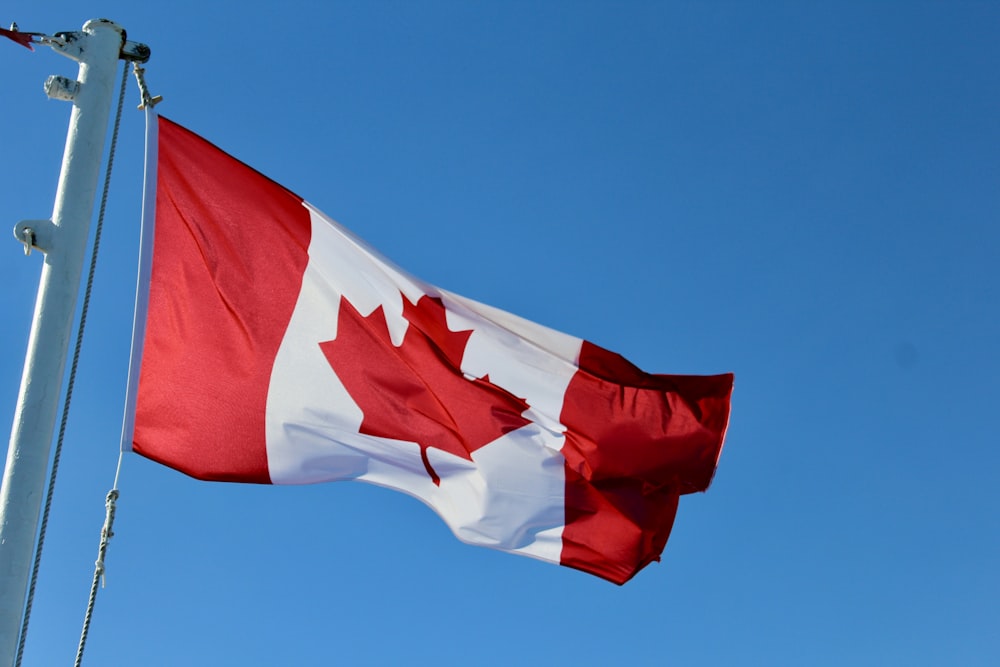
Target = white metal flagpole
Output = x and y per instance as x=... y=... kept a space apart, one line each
x=63 y=240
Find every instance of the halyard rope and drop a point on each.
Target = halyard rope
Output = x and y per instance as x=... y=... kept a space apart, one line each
x=113 y=493
x=106 y=532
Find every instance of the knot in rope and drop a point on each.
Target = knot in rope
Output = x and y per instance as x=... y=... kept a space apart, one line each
x=106 y=534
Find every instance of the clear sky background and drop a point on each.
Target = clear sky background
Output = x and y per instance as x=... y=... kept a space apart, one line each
x=804 y=194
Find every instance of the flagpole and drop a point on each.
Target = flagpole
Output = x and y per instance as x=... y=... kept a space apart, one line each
x=64 y=241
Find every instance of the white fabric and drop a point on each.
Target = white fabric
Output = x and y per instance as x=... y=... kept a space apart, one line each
x=511 y=495
x=147 y=225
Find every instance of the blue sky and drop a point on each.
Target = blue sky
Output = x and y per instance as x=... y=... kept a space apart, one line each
x=805 y=195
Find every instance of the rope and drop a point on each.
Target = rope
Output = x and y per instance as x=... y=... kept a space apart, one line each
x=148 y=101
x=106 y=535
x=69 y=395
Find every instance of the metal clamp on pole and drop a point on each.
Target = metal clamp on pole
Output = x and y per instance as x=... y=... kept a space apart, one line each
x=71 y=44
x=62 y=88
x=35 y=235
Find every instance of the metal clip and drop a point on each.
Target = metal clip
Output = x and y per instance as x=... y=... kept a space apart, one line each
x=28 y=239
x=35 y=235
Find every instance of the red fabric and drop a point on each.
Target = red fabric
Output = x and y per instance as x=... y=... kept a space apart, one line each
x=634 y=443
x=206 y=365
x=22 y=38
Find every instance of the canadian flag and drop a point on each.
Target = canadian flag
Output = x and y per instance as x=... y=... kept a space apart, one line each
x=281 y=349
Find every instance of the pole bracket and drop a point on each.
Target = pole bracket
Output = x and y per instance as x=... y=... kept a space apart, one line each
x=135 y=52
x=73 y=43
x=35 y=235
x=62 y=88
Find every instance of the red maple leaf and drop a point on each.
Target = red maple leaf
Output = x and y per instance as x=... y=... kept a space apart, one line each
x=417 y=392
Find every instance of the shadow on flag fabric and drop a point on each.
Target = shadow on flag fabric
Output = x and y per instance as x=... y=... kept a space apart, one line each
x=281 y=349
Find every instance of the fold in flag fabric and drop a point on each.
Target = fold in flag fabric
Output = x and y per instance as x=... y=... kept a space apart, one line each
x=281 y=349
